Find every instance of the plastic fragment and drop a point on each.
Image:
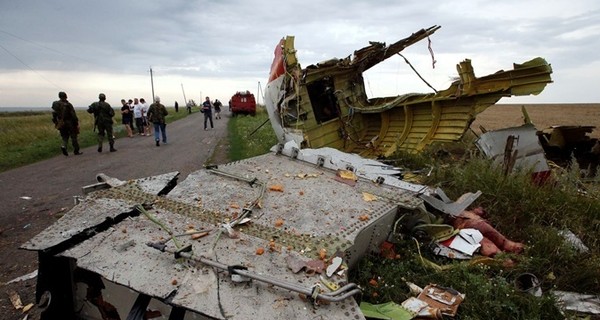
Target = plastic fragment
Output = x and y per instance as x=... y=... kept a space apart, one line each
x=332 y=268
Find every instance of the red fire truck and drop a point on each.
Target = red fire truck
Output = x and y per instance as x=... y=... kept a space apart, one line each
x=242 y=102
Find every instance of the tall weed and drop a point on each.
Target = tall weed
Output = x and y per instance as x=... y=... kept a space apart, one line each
x=250 y=136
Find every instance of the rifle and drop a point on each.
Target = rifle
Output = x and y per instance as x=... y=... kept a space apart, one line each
x=93 y=108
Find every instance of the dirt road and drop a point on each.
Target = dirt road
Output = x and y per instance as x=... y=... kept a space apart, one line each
x=34 y=196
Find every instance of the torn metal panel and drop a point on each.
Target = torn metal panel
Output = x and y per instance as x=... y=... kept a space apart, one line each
x=447 y=206
x=370 y=169
x=310 y=214
x=573 y=240
x=326 y=105
x=100 y=210
x=529 y=152
x=573 y=301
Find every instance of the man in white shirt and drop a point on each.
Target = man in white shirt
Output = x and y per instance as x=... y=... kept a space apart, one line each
x=147 y=128
x=138 y=114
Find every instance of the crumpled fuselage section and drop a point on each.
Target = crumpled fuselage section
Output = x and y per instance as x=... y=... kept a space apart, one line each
x=325 y=105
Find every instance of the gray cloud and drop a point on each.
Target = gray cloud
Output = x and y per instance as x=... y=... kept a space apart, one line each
x=233 y=40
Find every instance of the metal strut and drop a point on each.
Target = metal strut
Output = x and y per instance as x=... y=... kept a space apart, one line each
x=340 y=294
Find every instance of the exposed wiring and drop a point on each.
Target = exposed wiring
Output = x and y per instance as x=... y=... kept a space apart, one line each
x=409 y=64
x=152 y=218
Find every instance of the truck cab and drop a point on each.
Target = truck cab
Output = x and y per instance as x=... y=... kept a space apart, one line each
x=242 y=102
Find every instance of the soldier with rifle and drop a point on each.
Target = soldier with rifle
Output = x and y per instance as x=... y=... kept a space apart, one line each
x=103 y=120
x=66 y=122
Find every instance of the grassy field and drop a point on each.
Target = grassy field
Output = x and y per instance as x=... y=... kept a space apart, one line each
x=542 y=116
x=247 y=138
x=27 y=137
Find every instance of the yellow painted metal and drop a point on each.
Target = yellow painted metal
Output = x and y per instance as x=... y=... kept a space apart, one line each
x=436 y=115
x=408 y=122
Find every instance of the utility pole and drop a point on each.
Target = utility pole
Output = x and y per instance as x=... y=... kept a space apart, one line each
x=259 y=94
x=184 y=98
x=152 y=84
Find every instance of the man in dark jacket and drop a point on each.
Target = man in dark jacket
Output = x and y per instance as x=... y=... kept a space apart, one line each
x=66 y=121
x=103 y=119
x=207 y=110
x=156 y=114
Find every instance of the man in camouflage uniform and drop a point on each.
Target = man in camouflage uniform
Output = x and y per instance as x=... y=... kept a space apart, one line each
x=156 y=114
x=66 y=121
x=103 y=114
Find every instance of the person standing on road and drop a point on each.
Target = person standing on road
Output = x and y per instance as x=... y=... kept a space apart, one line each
x=127 y=117
x=147 y=128
x=131 y=125
x=138 y=114
x=66 y=122
x=207 y=110
x=176 y=106
x=217 y=105
x=103 y=119
x=156 y=114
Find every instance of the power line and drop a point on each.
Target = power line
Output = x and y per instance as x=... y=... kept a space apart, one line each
x=47 y=48
x=29 y=67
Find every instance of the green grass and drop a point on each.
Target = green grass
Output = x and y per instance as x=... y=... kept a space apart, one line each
x=522 y=211
x=28 y=137
x=243 y=143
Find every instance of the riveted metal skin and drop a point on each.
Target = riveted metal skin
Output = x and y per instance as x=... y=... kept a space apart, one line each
x=296 y=208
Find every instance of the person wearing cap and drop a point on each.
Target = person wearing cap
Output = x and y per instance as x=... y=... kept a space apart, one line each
x=66 y=122
x=103 y=119
x=156 y=114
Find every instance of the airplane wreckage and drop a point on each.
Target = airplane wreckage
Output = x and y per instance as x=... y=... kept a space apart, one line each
x=274 y=236
x=325 y=105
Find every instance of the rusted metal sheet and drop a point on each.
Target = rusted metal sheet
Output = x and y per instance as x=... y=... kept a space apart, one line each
x=325 y=105
x=310 y=215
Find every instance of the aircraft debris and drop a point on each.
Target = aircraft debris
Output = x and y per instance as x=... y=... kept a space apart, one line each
x=326 y=104
x=516 y=148
x=561 y=143
x=422 y=309
x=431 y=302
x=446 y=300
x=444 y=204
x=528 y=283
x=467 y=241
x=28 y=276
x=336 y=262
x=573 y=301
x=574 y=241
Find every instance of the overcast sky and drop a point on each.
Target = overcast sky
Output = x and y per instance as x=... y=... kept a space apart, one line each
x=216 y=48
